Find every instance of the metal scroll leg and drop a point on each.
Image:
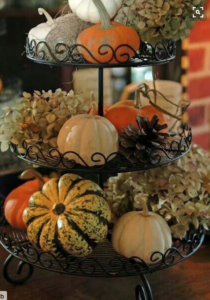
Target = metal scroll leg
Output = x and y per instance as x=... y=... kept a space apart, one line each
x=20 y=266
x=144 y=291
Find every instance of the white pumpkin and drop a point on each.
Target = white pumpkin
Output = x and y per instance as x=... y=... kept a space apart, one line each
x=140 y=234
x=87 y=11
x=40 y=32
x=86 y=135
x=64 y=29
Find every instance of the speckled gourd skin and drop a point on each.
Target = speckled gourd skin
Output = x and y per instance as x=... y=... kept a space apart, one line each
x=77 y=230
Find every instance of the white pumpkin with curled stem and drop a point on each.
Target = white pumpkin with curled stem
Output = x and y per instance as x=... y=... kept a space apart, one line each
x=140 y=234
x=64 y=29
x=86 y=135
x=87 y=11
x=40 y=32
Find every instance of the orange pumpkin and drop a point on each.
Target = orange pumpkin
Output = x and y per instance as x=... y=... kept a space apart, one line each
x=108 y=33
x=17 y=201
x=124 y=113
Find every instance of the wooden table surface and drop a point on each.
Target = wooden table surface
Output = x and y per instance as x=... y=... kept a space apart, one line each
x=189 y=280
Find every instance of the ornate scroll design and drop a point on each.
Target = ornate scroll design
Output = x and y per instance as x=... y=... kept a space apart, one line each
x=41 y=52
x=178 y=145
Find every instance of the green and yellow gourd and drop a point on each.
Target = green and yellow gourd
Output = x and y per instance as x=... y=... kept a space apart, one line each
x=69 y=216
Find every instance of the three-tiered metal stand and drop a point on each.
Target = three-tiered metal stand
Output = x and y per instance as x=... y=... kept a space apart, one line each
x=104 y=261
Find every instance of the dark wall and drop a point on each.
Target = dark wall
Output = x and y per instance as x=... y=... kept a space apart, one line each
x=13 y=62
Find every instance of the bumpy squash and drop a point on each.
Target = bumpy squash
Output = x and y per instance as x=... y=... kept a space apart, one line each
x=69 y=216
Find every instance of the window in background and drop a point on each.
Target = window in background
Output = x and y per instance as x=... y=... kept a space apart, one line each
x=140 y=74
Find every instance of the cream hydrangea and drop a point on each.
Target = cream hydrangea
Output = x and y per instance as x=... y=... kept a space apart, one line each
x=180 y=192
x=156 y=20
x=38 y=118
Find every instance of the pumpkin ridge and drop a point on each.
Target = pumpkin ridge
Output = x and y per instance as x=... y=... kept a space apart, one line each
x=101 y=219
x=40 y=232
x=86 y=193
x=45 y=196
x=75 y=227
x=38 y=206
x=35 y=218
x=72 y=186
x=66 y=181
x=59 y=247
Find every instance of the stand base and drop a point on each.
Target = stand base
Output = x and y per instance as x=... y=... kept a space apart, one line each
x=20 y=267
x=142 y=292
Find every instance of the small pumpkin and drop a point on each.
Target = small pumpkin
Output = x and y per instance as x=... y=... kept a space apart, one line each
x=140 y=234
x=87 y=135
x=64 y=30
x=69 y=216
x=99 y=37
x=18 y=199
x=87 y=11
x=124 y=113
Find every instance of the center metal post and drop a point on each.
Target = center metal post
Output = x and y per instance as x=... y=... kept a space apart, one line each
x=100 y=109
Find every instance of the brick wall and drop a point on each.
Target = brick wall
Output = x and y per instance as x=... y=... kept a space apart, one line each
x=198 y=78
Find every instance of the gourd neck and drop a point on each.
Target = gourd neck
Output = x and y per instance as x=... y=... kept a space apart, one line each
x=31 y=174
x=145 y=212
x=104 y=16
x=42 y=11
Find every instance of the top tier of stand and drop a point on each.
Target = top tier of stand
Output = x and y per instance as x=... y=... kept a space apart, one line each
x=64 y=55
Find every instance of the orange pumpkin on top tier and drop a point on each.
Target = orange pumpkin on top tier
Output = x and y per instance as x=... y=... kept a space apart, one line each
x=124 y=113
x=17 y=201
x=99 y=38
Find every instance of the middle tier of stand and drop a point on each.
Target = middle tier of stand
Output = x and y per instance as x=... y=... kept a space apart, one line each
x=153 y=157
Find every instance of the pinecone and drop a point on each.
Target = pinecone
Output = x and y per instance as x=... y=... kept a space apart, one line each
x=134 y=142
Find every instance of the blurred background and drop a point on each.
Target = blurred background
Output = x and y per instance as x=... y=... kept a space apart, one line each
x=191 y=68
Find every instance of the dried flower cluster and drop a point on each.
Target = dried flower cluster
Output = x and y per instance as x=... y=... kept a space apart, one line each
x=38 y=118
x=180 y=192
x=156 y=20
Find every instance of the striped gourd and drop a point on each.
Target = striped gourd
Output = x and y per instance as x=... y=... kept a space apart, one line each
x=69 y=216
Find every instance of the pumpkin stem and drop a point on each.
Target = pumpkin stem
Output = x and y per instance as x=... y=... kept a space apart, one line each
x=42 y=11
x=93 y=104
x=31 y=174
x=137 y=100
x=145 y=212
x=104 y=16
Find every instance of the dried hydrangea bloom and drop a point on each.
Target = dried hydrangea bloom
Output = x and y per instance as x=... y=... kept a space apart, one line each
x=180 y=192
x=156 y=20
x=38 y=118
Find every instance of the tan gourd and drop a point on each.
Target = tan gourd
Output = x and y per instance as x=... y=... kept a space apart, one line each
x=140 y=234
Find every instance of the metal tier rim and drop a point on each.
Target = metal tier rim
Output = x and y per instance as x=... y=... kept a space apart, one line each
x=114 y=163
x=63 y=55
x=102 y=264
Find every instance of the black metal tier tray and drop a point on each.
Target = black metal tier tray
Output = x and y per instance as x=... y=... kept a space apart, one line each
x=103 y=262
x=114 y=163
x=64 y=55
